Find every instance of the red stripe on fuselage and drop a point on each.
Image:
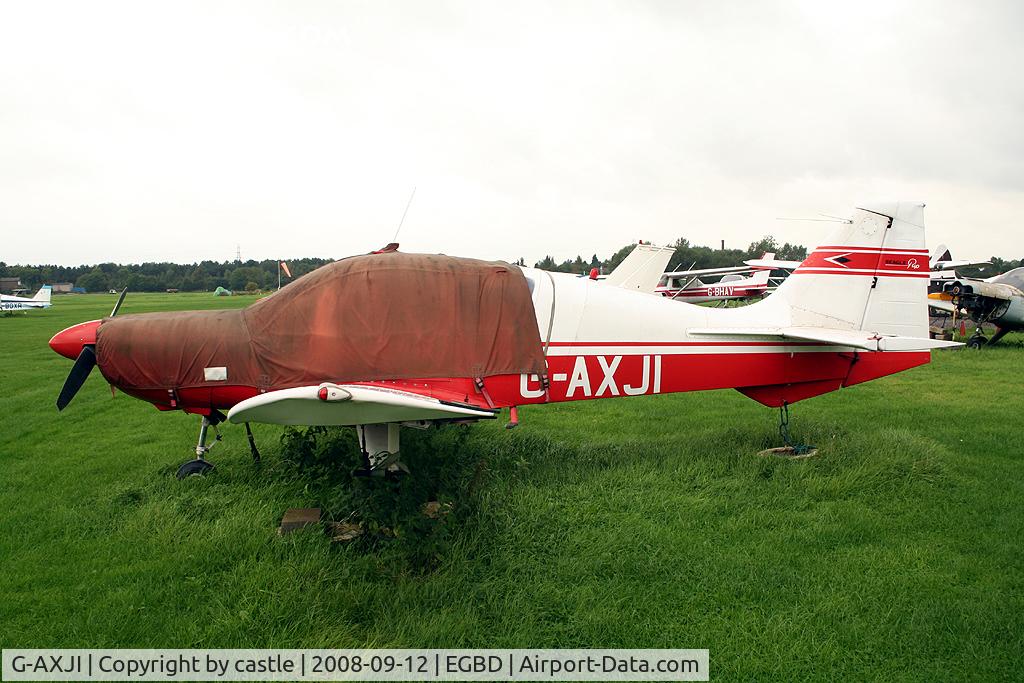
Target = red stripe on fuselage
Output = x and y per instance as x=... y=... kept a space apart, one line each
x=785 y=375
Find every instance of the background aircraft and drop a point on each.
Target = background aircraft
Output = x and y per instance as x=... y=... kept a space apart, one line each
x=391 y=339
x=732 y=287
x=20 y=303
x=998 y=300
x=687 y=285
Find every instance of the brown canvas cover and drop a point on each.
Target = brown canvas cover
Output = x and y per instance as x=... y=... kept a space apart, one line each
x=373 y=317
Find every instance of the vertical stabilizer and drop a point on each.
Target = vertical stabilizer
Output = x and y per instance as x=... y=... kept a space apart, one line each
x=43 y=294
x=642 y=269
x=871 y=274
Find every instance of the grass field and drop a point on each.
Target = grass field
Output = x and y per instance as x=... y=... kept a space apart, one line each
x=649 y=522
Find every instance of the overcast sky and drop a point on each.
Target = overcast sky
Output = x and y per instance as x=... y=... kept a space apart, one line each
x=176 y=131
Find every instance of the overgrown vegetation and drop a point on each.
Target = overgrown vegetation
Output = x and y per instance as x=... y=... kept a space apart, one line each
x=411 y=519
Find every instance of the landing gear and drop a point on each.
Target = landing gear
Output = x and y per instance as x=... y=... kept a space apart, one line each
x=252 y=444
x=201 y=465
x=194 y=468
x=379 y=446
x=977 y=340
x=1000 y=333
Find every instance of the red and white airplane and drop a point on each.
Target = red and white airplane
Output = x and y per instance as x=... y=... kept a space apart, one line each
x=391 y=339
x=731 y=287
x=687 y=285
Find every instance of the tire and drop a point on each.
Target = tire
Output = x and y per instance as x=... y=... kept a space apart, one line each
x=194 y=468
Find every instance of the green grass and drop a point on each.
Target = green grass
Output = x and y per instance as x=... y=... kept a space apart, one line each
x=648 y=522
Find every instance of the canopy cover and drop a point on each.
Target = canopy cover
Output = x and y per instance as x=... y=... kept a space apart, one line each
x=375 y=317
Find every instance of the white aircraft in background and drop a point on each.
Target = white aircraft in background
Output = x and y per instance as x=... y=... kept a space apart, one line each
x=686 y=285
x=732 y=287
x=20 y=303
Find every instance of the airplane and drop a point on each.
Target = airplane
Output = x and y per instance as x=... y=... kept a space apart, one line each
x=387 y=340
x=686 y=285
x=732 y=287
x=20 y=303
x=942 y=263
x=998 y=300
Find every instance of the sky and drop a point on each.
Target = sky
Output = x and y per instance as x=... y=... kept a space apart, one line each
x=182 y=131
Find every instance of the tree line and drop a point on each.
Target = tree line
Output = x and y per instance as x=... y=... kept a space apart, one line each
x=158 y=277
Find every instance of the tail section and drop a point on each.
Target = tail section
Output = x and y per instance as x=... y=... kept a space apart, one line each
x=642 y=269
x=760 y=277
x=43 y=295
x=871 y=275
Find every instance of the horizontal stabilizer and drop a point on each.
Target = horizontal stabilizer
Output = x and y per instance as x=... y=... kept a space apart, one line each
x=857 y=339
x=349 y=404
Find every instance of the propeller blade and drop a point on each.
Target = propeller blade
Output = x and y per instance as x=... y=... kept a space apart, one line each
x=76 y=378
x=120 y=300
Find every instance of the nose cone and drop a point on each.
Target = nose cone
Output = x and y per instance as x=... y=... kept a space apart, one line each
x=69 y=342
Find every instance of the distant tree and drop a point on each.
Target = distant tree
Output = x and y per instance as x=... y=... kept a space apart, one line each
x=94 y=281
x=791 y=252
x=546 y=263
x=765 y=244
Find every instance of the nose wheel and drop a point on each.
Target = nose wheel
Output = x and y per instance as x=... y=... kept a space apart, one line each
x=194 y=468
x=200 y=465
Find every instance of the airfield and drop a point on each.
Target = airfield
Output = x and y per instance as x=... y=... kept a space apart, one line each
x=642 y=523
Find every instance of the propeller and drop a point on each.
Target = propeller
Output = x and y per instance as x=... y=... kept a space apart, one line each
x=86 y=359
x=76 y=378
x=120 y=300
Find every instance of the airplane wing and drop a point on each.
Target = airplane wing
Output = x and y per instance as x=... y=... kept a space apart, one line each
x=941 y=305
x=773 y=264
x=858 y=339
x=708 y=271
x=953 y=265
x=349 y=404
x=641 y=270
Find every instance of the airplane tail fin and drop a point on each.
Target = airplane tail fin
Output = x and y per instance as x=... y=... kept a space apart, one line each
x=642 y=269
x=43 y=294
x=940 y=254
x=760 y=277
x=871 y=275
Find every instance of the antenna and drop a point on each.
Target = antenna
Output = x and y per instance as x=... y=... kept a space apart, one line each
x=238 y=253
x=407 y=205
x=838 y=218
x=818 y=220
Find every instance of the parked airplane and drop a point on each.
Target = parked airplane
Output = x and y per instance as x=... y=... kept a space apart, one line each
x=942 y=263
x=392 y=339
x=686 y=285
x=731 y=287
x=20 y=303
x=998 y=300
